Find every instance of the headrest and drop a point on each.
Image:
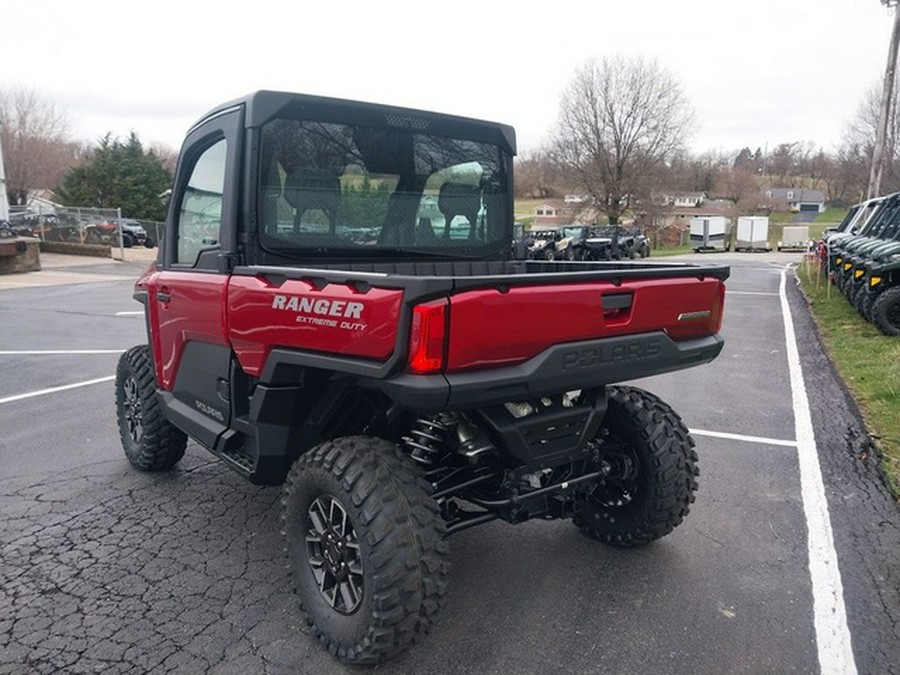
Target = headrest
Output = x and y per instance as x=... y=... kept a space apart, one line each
x=459 y=198
x=308 y=188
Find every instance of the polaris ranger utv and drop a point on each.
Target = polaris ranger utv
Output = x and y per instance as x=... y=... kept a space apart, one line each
x=335 y=308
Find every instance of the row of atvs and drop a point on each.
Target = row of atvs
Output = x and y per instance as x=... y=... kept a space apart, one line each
x=582 y=242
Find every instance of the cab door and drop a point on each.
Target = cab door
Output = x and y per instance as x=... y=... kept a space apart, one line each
x=187 y=295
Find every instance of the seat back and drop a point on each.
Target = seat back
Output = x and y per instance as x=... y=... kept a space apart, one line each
x=459 y=199
x=310 y=191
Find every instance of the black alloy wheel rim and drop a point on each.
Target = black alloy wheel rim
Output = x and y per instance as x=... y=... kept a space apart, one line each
x=133 y=409
x=333 y=552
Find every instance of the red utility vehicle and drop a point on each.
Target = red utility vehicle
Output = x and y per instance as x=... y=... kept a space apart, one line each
x=335 y=307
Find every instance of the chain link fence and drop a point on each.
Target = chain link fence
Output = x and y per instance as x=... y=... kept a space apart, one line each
x=85 y=226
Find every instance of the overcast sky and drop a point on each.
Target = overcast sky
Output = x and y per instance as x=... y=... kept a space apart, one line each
x=759 y=72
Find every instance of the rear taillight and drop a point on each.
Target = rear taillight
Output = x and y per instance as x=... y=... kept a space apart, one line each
x=720 y=309
x=428 y=339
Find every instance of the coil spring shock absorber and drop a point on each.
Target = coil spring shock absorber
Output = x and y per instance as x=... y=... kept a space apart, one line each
x=428 y=437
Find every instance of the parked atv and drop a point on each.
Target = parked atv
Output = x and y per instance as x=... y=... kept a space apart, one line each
x=571 y=243
x=543 y=246
x=641 y=243
x=412 y=386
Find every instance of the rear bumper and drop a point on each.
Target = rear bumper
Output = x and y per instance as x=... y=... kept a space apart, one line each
x=565 y=367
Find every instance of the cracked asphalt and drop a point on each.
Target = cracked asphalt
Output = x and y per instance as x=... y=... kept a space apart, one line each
x=104 y=569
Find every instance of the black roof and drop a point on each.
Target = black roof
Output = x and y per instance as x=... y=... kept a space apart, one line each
x=262 y=106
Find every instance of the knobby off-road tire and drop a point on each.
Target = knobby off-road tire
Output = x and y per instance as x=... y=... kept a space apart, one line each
x=839 y=280
x=654 y=472
x=863 y=303
x=149 y=441
x=857 y=298
x=886 y=311
x=365 y=547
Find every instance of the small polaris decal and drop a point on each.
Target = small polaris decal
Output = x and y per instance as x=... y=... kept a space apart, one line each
x=209 y=410
x=694 y=316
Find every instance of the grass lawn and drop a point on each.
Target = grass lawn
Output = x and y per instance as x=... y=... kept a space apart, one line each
x=525 y=208
x=782 y=217
x=832 y=214
x=675 y=250
x=868 y=361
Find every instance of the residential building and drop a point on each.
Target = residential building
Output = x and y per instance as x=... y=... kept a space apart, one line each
x=798 y=200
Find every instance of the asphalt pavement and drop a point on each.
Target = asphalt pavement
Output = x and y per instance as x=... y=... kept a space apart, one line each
x=788 y=562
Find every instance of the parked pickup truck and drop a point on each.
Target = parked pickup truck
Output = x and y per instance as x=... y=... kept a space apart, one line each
x=335 y=308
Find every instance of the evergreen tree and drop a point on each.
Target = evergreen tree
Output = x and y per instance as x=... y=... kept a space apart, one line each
x=119 y=175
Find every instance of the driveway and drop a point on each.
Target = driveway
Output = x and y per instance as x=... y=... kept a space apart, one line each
x=788 y=561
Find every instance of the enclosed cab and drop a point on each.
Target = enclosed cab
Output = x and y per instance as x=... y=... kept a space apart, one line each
x=336 y=308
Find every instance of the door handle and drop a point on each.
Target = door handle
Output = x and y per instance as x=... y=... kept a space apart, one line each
x=163 y=296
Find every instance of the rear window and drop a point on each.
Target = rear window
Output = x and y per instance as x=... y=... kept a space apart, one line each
x=334 y=187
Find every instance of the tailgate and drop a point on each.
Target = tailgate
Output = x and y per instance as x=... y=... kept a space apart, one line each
x=491 y=327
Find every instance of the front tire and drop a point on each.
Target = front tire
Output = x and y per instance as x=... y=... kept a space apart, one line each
x=886 y=311
x=365 y=547
x=858 y=296
x=652 y=472
x=150 y=442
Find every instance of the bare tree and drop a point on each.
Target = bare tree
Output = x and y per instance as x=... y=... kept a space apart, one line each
x=848 y=177
x=740 y=186
x=859 y=139
x=818 y=167
x=783 y=164
x=166 y=154
x=35 y=142
x=620 y=120
x=536 y=176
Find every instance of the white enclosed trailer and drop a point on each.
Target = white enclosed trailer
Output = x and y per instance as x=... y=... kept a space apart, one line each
x=752 y=234
x=794 y=238
x=708 y=233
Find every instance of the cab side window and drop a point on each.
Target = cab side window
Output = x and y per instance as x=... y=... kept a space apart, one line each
x=200 y=215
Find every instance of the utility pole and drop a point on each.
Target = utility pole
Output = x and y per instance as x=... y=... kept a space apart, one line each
x=887 y=97
x=4 y=200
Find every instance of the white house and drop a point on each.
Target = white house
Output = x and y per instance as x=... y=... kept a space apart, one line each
x=798 y=199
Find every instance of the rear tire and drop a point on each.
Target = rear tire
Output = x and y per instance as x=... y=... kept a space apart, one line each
x=150 y=442
x=886 y=311
x=653 y=475
x=365 y=548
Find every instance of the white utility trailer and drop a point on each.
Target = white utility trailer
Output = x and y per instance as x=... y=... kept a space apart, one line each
x=708 y=233
x=794 y=238
x=752 y=234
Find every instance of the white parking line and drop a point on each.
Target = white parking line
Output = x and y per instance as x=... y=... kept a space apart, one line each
x=45 y=352
x=830 y=615
x=53 y=390
x=134 y=313
x=730 y=292
x=741 y=437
